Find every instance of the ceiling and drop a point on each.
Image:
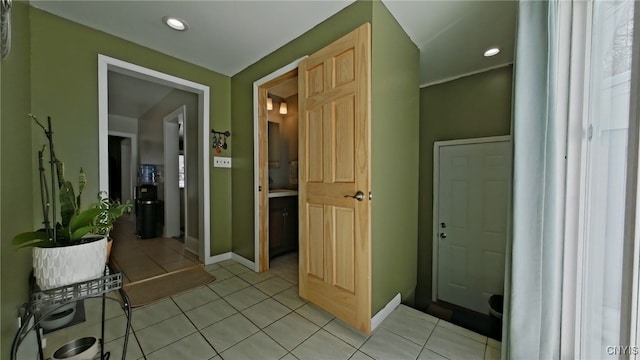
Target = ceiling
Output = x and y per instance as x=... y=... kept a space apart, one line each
x=285 y=89
x=453 y=35
x=228 y=36
x=131 y=97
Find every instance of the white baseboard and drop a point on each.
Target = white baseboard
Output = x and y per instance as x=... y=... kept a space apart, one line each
x=221 y=257
x=191 y=251
x=191 y=244
x=242 y=260
x=378 y=318
x=232 y=256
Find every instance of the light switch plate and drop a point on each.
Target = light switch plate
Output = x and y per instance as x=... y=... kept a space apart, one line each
x=221 y=161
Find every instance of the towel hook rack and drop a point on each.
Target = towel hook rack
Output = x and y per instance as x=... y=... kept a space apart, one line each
x=219 y=140
x=225 y=133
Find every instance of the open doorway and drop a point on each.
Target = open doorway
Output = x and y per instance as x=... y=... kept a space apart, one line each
x=115 y=167
x=152 y=152
x=122 y=154
x=276 y=165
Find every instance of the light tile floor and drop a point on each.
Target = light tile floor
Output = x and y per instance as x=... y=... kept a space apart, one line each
x=244 y=315
x=140 y=259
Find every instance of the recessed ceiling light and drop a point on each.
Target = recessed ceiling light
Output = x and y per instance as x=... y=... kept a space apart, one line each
x=175 y=23
x=491 y=51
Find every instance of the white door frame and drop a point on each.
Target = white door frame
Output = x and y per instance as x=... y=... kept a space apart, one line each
x=134 y=156
x=171 y=150
x=106 y=64
x=436 y=185
x=256 y=158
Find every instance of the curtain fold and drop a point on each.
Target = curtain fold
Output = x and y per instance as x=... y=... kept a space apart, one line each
x=533 y=305
x=565 y=289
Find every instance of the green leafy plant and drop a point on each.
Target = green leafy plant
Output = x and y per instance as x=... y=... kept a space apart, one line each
x=110 y=211
x=74 y=224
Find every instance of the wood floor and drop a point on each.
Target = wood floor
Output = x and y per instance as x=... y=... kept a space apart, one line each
x=140 y=259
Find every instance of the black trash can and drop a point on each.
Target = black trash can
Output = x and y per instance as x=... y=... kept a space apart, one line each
x=147 y=219
x=496 y=303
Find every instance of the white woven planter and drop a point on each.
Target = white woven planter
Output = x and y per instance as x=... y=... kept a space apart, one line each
x=60 y=266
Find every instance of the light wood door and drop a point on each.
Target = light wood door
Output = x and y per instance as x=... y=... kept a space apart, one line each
x=473 y=199
x=334 y=143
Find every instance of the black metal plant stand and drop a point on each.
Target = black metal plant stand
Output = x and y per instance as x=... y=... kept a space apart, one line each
x=54 y=299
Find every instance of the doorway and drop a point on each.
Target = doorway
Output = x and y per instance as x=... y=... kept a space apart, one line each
x=472 y=191
x=123 y=155
x=202 y=183
x=275 y=164
x=116 y=167
x=174 y=184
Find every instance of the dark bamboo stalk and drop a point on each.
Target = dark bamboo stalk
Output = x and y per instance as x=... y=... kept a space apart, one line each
x=44 y=193
x=52 y=161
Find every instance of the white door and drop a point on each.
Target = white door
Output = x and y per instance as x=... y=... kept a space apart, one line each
x=473 y=190
x=171 y=133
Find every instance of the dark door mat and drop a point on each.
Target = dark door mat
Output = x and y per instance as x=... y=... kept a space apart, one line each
x=160 y=287
x=471 y=320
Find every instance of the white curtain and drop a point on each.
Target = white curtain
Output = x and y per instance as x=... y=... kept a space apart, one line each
x=532 y=316
x=570 y=121
x=604 y=176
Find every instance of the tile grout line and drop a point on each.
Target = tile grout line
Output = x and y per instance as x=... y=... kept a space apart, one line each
x=430 y=334
x=194 y=325
x=171 y=343
x=182 y=312
x=289 y=312
x=447 y=328
x=269 y=297
x=241 y=313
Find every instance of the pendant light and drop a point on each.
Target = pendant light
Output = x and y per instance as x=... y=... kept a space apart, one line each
x=283 y=108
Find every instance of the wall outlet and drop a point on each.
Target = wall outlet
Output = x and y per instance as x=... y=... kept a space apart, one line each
x=221 y=161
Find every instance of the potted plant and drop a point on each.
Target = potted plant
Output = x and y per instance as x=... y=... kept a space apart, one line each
x=64 y=252
x=110 y=211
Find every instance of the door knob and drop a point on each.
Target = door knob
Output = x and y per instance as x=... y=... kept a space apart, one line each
x=443 y=236
x=358 y=196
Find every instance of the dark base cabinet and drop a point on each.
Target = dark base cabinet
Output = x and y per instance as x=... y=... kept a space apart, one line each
x=283 y=225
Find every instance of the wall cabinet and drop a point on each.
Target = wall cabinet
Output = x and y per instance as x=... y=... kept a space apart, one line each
x=283 y=225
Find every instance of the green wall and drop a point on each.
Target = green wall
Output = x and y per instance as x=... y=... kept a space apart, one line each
x=469 y=107
x=64 y=80
x=395 y=110
x=16 y=211
x=242 y=112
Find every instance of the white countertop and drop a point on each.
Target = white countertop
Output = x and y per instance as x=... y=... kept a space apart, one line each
x=282 y=193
